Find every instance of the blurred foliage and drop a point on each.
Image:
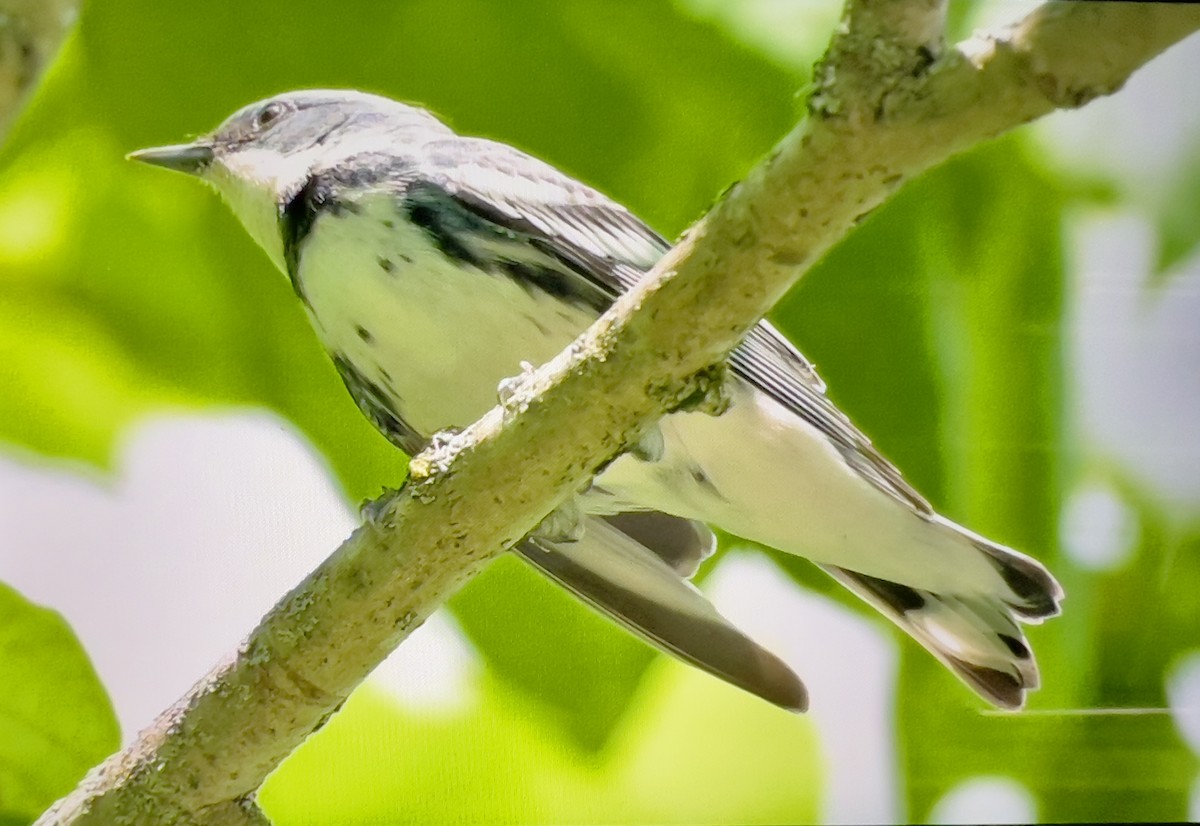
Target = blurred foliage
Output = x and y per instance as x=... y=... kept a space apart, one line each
x=938 y=324
x=1178 y=217
x=55 y=720
x=966 y=321
x=573 y=663
x=377 y=763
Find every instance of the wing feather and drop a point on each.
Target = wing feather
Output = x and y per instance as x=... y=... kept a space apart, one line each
x=606 y=244
x=634 y=586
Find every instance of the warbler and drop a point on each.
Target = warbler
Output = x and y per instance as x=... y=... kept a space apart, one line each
x=432 y=265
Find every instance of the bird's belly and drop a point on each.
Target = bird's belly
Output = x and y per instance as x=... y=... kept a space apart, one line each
x=436 y=335
x=761 y=472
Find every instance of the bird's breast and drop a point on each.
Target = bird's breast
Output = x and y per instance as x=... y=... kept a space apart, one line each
x=434 y=334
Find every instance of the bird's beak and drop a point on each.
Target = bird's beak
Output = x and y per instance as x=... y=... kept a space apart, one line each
x=191 y=158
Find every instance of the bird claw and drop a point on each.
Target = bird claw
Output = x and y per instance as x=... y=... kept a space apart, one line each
x=436 y=456
x=563 y=524
x=513 y=392
x=372 y=510
x=650 y=446
x=709 y=391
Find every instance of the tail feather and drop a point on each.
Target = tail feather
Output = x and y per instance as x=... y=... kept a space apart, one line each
x=1034 y=593
x=976 y=635
x=634 y=585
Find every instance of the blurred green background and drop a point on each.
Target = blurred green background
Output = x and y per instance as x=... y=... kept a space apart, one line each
x=946 y=326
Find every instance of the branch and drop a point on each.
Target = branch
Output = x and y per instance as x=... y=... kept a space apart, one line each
x=474 y=495
x=31 y=32
x=880 y=43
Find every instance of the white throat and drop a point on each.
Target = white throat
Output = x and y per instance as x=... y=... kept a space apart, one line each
x=254 y=182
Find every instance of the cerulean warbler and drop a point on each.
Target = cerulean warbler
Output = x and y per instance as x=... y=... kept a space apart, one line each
x=432 y=265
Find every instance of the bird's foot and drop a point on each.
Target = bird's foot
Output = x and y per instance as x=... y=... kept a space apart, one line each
x=514 y=392
x=563 y=524
x=436 y=456
x=650 y=446
x=372 y=510
x=705 y=392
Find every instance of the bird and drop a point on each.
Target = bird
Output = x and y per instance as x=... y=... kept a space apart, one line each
x=431 y=265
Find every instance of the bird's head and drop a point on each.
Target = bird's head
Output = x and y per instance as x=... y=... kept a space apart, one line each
x=264 y=153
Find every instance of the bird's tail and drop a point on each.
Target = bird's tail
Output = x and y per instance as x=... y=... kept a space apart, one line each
x=975 y=633
x=644 y=588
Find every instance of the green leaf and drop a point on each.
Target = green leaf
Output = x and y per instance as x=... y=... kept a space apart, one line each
x=56 y=721
x=794 y=34
x=938 y=326
x=691 y=750
x=943 y=319
x=578 y=666
x=1178 y=216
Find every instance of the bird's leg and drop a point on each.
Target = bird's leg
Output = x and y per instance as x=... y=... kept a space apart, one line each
x=705 y=392
x=436 y=457
x=514 y=391
x=650 y=446
x=371 y=510
x=563 y=524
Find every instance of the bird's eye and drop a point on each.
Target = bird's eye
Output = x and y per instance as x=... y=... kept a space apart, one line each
x=268 y=115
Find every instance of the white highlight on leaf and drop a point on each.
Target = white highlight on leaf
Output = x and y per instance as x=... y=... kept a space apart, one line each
x=1097 y=528
x=849 y=666
x=163 y=568
x=1183 y=695
x=436 y=669
x=1148 y=128
x=1133 y=353
x=986 y=800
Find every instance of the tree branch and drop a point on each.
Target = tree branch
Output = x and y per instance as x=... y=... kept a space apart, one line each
x=31 y=32
x=879 y=43
x=476 y=494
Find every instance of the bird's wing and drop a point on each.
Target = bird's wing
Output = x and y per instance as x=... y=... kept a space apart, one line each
x=681 y=543
x=378 y=409
x=627 y=582
x=532 y=203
